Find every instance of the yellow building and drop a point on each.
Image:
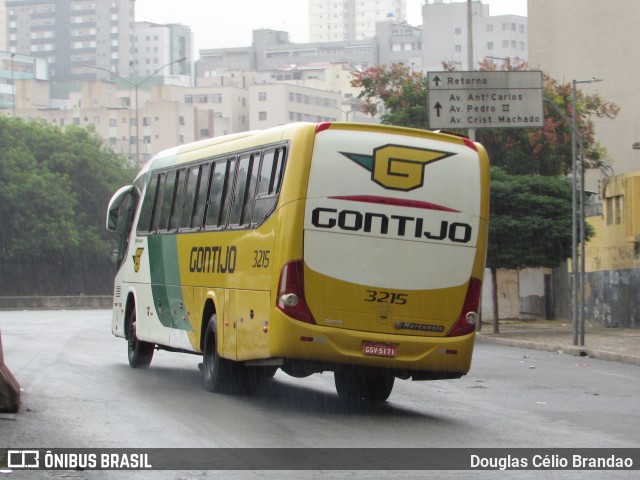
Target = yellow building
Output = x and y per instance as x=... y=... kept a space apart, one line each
x=612 y=257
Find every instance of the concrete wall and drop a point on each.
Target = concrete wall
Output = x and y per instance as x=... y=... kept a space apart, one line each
x=56 y=302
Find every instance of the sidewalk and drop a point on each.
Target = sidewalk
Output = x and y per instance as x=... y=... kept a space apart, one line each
x=615 y=344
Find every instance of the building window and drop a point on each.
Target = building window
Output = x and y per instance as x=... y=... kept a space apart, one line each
x=490 y=28
x=457 y=31
x=458 y=48
x=262 y=116
x=489 y=45
x=614 y=210
x=262 y=96
x=618 y=210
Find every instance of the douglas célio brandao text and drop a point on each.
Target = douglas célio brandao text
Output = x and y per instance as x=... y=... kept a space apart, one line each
x=551 y=462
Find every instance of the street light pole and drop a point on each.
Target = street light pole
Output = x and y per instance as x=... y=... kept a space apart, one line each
x=577 y=314
x=136 y=85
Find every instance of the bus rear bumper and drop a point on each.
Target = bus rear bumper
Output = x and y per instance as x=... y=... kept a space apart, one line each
x=319 y=348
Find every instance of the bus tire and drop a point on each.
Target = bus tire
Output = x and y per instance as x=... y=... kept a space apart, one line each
x=363 y=388
x=140 y=353
x=217 y=372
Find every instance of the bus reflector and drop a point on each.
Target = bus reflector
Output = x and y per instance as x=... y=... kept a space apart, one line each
x=466 y=320
x=290 y=297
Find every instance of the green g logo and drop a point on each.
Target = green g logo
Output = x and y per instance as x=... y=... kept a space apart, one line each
x=397 y=167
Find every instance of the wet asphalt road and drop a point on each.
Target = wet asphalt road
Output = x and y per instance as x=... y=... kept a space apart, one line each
x=78 y=391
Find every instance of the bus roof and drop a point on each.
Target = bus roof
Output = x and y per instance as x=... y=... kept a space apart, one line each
x=165 y=157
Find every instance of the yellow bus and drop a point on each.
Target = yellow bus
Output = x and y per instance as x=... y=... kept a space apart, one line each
x=352 y=248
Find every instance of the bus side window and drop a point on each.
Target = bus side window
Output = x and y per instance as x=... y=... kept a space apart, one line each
x=168 y=189
x=244 y=190
x=220 y=191
x=190 y=195
x=148 y=204
x=195 y=196
x=178 y=199
x=197 y=219
x=269 y=185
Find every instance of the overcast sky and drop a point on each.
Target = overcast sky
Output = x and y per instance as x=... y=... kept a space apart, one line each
x=229 y=23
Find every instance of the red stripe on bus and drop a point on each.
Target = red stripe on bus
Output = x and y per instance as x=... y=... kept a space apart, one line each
x=396 y=202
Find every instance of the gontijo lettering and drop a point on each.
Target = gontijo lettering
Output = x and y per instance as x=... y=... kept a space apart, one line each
x=213 y=259
x=401 y=225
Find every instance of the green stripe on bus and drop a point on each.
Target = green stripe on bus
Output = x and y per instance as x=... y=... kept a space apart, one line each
x=166 y=283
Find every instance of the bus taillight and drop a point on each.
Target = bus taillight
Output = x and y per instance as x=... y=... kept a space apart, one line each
x=468 y=317
x=291 y=299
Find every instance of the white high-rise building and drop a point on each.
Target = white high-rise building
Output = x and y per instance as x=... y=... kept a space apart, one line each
x=446 y=33
x=337 y=20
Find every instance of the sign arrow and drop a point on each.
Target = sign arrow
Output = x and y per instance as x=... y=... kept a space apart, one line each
x=437 y=107
x=437 y=81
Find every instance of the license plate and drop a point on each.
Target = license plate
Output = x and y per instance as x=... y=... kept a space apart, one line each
x=380 y=349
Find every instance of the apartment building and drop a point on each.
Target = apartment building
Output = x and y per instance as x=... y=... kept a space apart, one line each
x=274 y=104
x=14 y=67
x=340 y=20
x=156 y=45
x=3 y=27
x=272 y=49
x=446 y=33
x=71 y=33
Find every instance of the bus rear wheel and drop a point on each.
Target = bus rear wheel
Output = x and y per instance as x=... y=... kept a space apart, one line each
x=219 y=374
x=352 y=387
x=140 y=353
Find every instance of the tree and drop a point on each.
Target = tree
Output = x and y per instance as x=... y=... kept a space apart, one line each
x=547 y=150
x=530 y=194
x=531 y=224
x=54 y=188
x=403 y=92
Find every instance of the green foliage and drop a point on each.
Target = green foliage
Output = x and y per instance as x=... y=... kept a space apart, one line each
x=402 y=91
x=530 y=221
x=54 y=188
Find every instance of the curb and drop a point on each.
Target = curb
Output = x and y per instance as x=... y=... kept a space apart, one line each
x=562 y=349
